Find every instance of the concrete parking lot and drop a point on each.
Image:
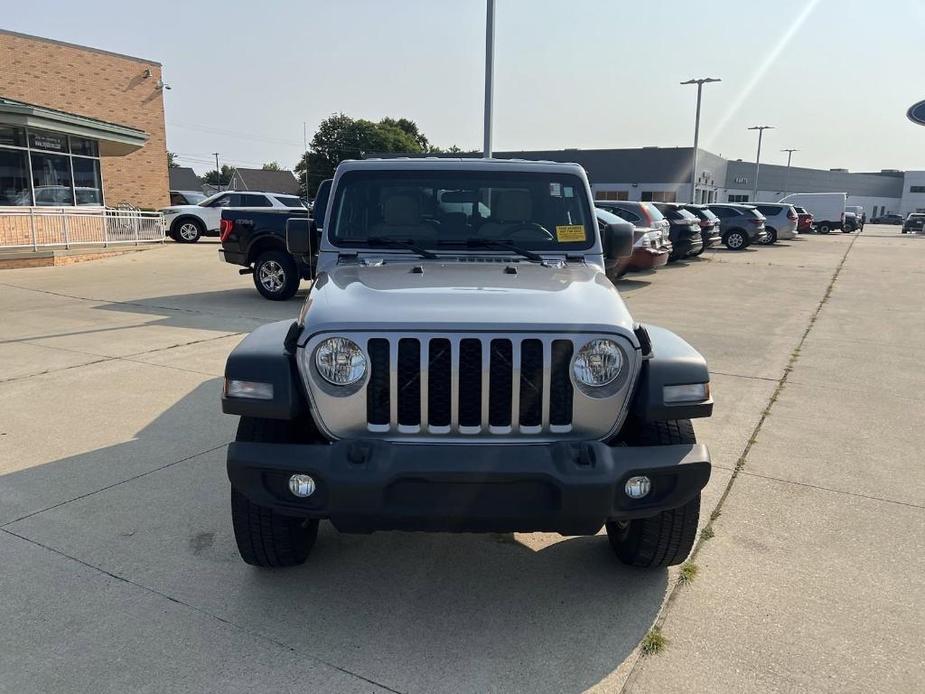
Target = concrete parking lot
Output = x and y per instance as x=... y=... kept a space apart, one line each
x=119 y=571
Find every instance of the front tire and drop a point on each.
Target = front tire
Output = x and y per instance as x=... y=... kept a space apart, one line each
x=735 y=240
x=665 y=539
x=265 y=537
x=771 y=238
x=824 y=228
x=188 y=231
x=276 y=276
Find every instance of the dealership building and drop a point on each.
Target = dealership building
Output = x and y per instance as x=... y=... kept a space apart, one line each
x=79 y=127
x=664 y=174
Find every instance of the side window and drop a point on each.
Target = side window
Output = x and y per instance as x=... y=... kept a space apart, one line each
x=177 y=199
x=223 y=201
x=251 y=200
x=768 y=210
x=624 y=214
x=722 y=212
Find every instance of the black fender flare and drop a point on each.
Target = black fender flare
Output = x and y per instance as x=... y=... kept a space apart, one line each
x=267 y=355
x=672 y=362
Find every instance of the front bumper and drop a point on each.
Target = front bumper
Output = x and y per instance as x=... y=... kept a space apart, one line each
x=566 y=487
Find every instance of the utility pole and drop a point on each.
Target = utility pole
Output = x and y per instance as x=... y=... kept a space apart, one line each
x=489 y=76
x=305 y=154
x=760 y=129
x=787 y=175
x=218 y=171
x=699 y=83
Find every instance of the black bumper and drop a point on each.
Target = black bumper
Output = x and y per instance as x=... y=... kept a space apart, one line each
x=710 y=237
x=233 y=256
x=570 y=488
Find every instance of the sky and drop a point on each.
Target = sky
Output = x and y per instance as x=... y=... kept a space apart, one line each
x=248 y=79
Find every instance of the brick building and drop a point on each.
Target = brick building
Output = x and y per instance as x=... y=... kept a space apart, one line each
x=79 y=126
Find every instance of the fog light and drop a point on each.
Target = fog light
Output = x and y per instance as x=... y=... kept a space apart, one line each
x=252 y=390
x=303 y=486
x=635 y=487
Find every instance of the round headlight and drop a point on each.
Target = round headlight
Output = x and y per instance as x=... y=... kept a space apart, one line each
x=340 y=361
x=598 y=363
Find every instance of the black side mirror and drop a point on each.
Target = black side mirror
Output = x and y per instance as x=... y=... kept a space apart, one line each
x=618 y=241
x=320 y=206
x=299 y=237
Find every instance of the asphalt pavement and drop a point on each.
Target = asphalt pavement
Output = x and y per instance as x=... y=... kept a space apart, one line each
x=119 y=571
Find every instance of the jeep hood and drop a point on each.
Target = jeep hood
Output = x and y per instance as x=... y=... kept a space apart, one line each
x=465 y=295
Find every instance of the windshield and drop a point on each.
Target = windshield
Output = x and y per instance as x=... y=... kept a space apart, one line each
x=535 y=211
x=194 y=198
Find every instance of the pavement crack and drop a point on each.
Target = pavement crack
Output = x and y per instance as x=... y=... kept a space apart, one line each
x=740 y=463
x=201 y=611
x=832 y=491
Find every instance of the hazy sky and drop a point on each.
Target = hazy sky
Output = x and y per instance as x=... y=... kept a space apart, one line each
x=834 y=76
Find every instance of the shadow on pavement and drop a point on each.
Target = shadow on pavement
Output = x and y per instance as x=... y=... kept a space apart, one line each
x=413 y=611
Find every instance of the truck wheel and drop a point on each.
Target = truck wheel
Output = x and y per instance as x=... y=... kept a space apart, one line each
x=276 y=276
x=265 y=537
x=665 y=539
x=735 y=240
x=188 y=231
x=824 y=228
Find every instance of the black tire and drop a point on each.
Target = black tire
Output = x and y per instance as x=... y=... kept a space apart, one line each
x=276 y=275
x=736 y=240
x=698 y=252
x=187 y=230
x=264 y=537
x=824 y=228
x=665 y=539
x=771 y=237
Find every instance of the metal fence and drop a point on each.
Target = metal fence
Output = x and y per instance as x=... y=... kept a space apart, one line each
x=48 y=227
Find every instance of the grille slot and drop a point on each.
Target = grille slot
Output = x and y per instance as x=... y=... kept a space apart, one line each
x=470 y=383
x=377 y=392
x=560 y=384
x=409 y=382
x=439 y=394
x=501 y=379
x=531 y=383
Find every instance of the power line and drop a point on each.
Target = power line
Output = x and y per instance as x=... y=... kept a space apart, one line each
x=232 y=133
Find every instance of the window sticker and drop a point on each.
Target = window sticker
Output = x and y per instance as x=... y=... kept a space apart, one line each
x=571 y=233
x=555 y=190
x=569 y=192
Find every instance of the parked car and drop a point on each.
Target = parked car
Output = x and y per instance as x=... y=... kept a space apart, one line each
x=780 y=221
x=828 y=209
x=858 y=212
x=650 y=249
x=186 y=197
x=489 y=382
x=742 y=225
x=641 y=214
x=851 y=223
x=684 y=231
x=914 y=224
x=189 y=223
x=255 y=239
x=805 y=220
x=888 y=219
x=710 y=225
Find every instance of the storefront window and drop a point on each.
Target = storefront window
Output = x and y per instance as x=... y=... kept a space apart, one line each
x=38 y=167
x=14 y=178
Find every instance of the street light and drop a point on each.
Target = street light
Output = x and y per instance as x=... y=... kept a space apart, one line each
x=787 y=175
x=760 y=129
x=489 y=75
x=219 y=172
x=699 y=83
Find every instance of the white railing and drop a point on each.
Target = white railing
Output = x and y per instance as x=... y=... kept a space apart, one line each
x=48 y=227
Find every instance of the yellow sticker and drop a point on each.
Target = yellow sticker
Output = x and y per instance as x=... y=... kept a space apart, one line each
x=569 y=233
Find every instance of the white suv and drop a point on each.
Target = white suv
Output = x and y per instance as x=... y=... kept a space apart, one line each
x=187 y=223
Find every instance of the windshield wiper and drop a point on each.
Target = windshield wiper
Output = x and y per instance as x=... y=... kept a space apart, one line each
x=400 y=243
x=507 y=245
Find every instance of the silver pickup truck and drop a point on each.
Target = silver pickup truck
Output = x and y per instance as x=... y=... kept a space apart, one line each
x=463 y=364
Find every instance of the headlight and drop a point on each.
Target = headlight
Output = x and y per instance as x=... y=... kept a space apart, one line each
x=340 y=361
x=598 y=363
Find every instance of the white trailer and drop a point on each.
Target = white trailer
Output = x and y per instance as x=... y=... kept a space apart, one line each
x=828 y=209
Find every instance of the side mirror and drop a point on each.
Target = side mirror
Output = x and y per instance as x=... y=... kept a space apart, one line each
x=320 y=206
x=299 y=237
x=617 y=239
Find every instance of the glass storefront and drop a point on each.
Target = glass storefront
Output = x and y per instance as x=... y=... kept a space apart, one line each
x=46 y=168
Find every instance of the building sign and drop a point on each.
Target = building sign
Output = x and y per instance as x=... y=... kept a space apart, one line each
x=48 y=141
x=916 y=113
x=741 y=179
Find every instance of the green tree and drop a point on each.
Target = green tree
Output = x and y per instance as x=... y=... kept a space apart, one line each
x=172 y=161
x=214 y=178
x=272 y=166
x=341 y=137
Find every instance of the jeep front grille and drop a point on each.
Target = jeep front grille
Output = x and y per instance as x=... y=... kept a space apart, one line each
x=470 y=386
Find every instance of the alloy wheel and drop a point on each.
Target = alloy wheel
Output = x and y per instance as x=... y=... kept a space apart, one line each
x=272 y=276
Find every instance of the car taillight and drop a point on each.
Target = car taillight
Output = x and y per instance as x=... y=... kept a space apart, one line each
x=755 y=220
x=225 y=227
x=791 y=215
x=645 y=213
x=704 y=223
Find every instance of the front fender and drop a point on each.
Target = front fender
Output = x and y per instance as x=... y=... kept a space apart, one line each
x=673 y=362
x=266 y=356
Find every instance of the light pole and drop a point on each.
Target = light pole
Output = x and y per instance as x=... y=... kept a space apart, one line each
x=489 y=76
x=218 y=178
x=699 y=82
x=760 y=129
x=787 y=175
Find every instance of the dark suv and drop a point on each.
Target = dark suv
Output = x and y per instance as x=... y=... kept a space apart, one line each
x=914 y=223
x=742 y=225
x=684 y=230
x=709 y=225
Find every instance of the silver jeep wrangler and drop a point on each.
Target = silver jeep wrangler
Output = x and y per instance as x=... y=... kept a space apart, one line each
x=462 y=363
